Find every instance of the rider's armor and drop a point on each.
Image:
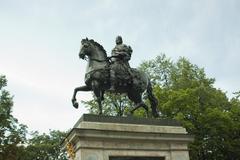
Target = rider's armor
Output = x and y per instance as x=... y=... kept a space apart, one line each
x=120 y=73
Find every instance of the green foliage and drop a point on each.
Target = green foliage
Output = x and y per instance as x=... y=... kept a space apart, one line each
x=113 y=105
x=234 y=129
x=13 y=142
x=12 y=134
x=159 y=70
x=186 y=94
x=45 y=146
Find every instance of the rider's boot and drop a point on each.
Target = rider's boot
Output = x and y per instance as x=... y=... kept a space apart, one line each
x=112 y=80
x=112 y=87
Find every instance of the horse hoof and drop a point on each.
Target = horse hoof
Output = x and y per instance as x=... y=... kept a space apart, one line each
x=75 y=105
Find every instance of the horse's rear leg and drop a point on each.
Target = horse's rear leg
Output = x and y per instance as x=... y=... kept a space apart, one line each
x=138 y=105
x=137 y=99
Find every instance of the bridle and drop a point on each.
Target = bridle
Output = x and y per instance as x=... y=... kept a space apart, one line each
x=108 y=59
x=97 y=60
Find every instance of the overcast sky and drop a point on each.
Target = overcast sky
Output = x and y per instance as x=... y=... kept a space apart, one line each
x=40 y=41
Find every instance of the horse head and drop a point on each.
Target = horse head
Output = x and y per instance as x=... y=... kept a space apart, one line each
x=92 y=49
x=86 y=48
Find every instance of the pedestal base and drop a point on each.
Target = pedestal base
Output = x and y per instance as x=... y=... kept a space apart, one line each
x=120 y=138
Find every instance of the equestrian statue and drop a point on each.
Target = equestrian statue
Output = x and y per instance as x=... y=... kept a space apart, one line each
x=114 y=74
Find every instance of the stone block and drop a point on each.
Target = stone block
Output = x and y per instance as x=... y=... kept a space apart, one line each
x=127 y=138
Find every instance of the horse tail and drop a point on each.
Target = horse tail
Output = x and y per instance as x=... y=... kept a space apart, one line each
x=153 y=100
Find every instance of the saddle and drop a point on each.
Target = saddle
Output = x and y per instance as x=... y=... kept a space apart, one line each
x=124 y=77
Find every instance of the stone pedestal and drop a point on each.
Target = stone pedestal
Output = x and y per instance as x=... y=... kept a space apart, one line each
x=126 y=138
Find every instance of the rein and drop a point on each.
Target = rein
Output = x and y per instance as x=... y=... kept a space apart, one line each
x=105 y=60
x=108 y=59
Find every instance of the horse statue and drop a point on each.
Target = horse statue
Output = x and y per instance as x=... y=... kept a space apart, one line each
x=97 y=79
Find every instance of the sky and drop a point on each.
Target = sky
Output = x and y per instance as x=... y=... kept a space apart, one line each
x=40 y=41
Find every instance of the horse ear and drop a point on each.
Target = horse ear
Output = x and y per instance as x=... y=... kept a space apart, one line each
x=82 y=41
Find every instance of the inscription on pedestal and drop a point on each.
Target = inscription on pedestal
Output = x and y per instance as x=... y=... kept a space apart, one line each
x=136 y=158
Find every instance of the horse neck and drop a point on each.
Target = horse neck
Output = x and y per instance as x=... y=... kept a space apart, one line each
x=98 y=55
x=97 y=60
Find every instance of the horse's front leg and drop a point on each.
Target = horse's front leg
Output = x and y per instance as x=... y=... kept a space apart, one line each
x=81 y=88
x=99 y=93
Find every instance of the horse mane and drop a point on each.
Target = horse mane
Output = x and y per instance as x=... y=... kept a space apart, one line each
x=96 y=44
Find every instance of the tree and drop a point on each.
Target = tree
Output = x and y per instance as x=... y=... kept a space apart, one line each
x=233 y=144
x=186 y=94
x=159 y=70
x=113 y=105
x=13 y=142
x=12 y=133
x=45 y=146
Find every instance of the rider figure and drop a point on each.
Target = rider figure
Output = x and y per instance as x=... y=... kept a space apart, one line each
x=120 y=68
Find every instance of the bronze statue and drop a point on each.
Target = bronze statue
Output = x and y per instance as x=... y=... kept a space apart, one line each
x=114 y=74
